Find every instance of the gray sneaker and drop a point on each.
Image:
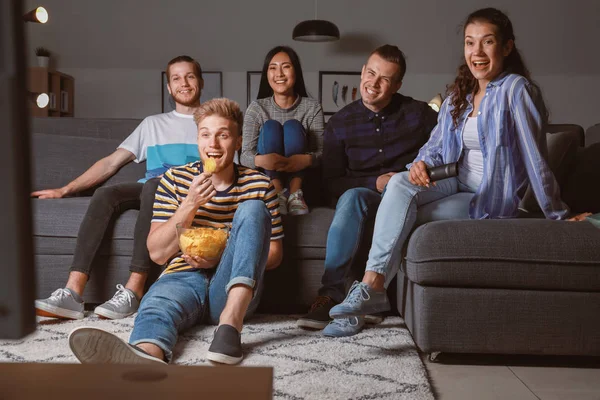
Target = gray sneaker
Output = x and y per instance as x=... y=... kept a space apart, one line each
x=62 y=303
x=123 y=304
x=342 y=327
x=95 y=346
x=361 y=300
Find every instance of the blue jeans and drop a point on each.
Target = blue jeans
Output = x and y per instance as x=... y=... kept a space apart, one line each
x=180 y=300
x=287 y=140
x=355 y=209
x=404 y=205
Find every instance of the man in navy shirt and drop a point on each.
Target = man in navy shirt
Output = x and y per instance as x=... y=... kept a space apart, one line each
x=364 y=144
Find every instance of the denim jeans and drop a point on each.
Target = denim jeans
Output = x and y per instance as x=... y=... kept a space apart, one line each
x=287 y=140
x=355 y=210
x=106 y=203
x=180 y=300
x=403 y=205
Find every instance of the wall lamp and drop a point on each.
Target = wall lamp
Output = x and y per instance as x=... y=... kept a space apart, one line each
x=40 y=99
x=39 y=15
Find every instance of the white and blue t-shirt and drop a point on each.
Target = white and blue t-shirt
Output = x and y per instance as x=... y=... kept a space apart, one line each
x=163 y=141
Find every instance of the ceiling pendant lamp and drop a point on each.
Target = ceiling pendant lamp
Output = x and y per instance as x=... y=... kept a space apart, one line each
x=316 y=30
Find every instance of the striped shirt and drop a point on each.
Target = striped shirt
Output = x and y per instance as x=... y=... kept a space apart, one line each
x=511 y=125
x=360 y=145
x=305 y=110
x=248 y=185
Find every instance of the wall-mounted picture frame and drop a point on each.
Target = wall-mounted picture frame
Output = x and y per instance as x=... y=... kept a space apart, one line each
x=338 y=89
x=213 y=88
x=252 y=85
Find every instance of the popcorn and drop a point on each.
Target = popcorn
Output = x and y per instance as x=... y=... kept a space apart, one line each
x=207 y=243
x=210 y=165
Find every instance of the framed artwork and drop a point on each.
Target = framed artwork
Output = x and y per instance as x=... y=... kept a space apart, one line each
x=252 y=85
x=337 y=89
x=213 y=88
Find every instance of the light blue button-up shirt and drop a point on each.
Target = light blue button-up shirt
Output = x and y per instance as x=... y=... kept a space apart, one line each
x=511 y=124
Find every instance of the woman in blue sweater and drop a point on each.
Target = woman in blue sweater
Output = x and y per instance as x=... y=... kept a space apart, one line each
x=283 y=128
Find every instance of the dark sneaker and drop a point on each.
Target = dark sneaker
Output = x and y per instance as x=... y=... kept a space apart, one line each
x=226 y=347
x=95 y=346
x=361 y=300
x=342 y=327
x=296 y=204
x=123 y=304
x=62 y=303
x=374 y=319
x=318 y=316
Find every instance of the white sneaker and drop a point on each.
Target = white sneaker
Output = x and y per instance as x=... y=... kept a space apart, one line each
x=296 y=204
x=283 y=200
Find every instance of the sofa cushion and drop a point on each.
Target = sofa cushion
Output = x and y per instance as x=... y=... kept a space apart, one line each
x=58 y=159
x=582 y=190
x=56 y=225
x=100 y=128
x=308 y=231
x=562 y=150
x=513 y=253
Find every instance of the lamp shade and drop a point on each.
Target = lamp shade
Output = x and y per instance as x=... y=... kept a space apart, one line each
x=436 y=102
x=316 y=30
x=39 y=15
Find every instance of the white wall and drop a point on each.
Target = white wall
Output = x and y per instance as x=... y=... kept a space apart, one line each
x=116 y=49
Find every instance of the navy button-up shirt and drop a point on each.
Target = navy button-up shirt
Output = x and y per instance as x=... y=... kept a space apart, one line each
x=359 y=145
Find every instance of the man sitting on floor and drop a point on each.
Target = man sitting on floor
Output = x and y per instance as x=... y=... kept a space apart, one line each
x=194 y=290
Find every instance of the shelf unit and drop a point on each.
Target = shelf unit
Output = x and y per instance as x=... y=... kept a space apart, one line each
x=60 y=87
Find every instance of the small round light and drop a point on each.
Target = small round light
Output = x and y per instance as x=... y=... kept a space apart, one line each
x=435 y=107
x=42 y=100
x=41 y=14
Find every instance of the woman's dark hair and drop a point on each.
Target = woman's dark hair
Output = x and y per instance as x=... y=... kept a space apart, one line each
x=465 y=83
x=265 y=90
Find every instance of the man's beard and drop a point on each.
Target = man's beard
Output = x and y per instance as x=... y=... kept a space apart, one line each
x=189 y=103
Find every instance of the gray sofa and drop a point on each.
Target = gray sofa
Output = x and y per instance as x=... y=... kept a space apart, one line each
x=519 y=286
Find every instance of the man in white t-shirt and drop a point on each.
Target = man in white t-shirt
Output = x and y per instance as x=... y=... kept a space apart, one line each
x=163 y=141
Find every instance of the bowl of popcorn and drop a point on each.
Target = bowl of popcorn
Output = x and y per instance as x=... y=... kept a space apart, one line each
x=207 y=242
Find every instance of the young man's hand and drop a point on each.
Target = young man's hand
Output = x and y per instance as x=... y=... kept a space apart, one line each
x=201 y=190
x=382 y=181
x=50 y=193
x=199 y=262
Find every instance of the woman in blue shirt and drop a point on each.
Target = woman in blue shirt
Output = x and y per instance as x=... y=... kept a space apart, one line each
x=493 y=124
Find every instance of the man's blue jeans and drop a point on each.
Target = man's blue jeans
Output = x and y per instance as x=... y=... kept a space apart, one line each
x=355 y=209
x=287 y=140
x=180 y=300
x=403 y=206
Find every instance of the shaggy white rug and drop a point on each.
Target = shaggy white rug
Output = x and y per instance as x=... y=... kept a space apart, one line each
x=379 y=363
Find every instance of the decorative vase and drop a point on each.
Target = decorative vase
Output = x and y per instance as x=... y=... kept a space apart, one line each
x=43 y=61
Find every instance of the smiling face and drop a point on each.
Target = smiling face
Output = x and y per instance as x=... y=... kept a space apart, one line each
x=281 y=74
x=484 y=51
x=184 y=85
x=378 y=82
x=218 y=138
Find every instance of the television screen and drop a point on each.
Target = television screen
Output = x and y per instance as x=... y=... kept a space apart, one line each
x=17 y=282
